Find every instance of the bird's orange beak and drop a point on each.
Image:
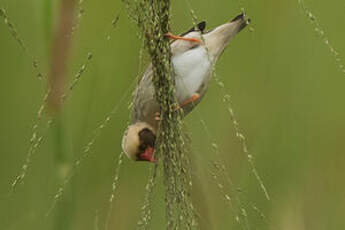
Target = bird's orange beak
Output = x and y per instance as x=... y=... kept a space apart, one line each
x=148 y=155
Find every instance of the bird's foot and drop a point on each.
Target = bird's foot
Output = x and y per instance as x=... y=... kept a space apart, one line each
x=175 y=37
x=192 y=99
x=157 y=116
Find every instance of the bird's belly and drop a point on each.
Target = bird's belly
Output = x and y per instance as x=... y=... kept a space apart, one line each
x=192 y=70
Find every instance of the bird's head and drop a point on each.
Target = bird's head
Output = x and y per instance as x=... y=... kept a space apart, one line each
x=138 y=142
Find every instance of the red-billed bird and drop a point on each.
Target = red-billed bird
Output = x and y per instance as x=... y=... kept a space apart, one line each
x=194 y=54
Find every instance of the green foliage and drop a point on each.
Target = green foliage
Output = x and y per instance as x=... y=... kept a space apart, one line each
x=153 y=18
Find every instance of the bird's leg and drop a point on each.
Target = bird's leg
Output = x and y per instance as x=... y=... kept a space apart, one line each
x=192 y=99
x=175 y=37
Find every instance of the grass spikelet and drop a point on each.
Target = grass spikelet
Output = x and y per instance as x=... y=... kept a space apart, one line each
x=239 y=134
x=80 y=13
x=35 y=141
x=86 y=150
x=153 y=19
x=12 y=29
x=241 y=137
x=146 y=210
x=14 y=33
x=314 y=21
x=77 y=76
x=113 y=189
x=36 y=136
x=219 y=172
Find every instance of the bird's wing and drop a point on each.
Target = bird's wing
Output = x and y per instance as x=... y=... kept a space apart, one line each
x=144 y=103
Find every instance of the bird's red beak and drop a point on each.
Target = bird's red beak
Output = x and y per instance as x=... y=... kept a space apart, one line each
x=148 y=155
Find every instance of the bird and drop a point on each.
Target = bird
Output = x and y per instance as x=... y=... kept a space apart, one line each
x=194 y=53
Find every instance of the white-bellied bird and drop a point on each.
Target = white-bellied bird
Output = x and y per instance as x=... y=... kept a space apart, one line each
x=194 y=54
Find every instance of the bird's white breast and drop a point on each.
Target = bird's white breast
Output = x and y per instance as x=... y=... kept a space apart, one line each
x=192 y=69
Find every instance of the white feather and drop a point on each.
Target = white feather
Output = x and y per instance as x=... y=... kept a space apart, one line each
x=192 y=68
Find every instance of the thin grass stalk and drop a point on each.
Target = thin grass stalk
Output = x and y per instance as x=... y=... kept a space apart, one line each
x=65 y=210
x=47 y=15
x=60 y=50
x=63 y=151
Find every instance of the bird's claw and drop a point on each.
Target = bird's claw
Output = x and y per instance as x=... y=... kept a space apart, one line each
x=157 y=116
x=190 y=100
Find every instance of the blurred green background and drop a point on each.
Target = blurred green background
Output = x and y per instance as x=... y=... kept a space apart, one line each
x=286 y=91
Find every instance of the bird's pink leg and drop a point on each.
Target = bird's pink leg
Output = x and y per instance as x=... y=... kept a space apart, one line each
x=175 y=37
x=157 y=116
x=192 y=99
